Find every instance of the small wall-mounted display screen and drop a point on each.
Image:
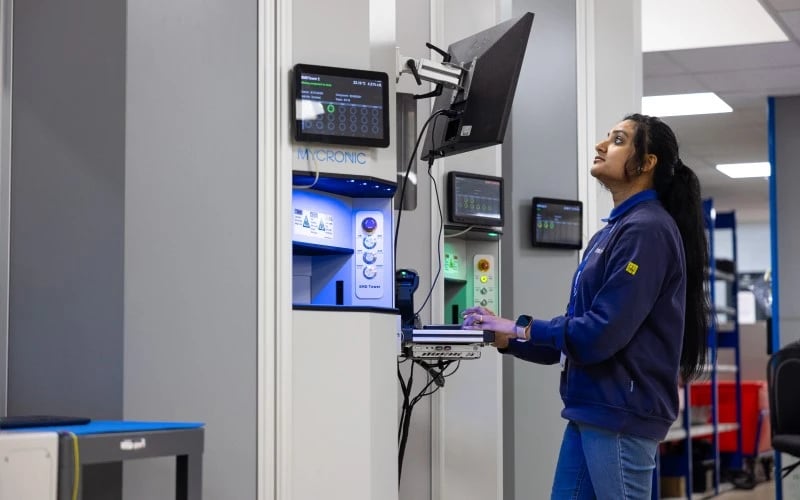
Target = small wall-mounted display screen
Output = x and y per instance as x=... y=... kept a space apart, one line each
x=341 y=106
x=475 y=199
x=557 y=223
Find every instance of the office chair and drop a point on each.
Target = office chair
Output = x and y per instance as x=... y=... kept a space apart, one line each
x=783 y=372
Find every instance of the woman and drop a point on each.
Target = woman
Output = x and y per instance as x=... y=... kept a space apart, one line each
x=637 y=318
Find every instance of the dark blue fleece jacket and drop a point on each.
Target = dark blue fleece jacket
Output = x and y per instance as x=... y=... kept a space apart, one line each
x=623 y=341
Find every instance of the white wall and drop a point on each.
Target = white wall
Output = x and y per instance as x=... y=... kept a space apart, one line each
x=787 y=175
x=6 y=27
x=609 y=87
x=539 y=160
x=752 y=246
x=191 y=192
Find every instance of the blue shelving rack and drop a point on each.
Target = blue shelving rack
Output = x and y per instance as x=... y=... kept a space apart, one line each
x=722 y=335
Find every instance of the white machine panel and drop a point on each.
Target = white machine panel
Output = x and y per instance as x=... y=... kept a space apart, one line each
x=28 y=465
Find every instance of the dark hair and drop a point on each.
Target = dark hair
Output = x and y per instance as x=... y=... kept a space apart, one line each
x=679 y=191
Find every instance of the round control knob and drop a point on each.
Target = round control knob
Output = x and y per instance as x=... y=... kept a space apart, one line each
x=370 y=241
x=370 y=272
x=484 y=302
x=484 y=291
x=483 y=265
x=369 y=224
x=370 y=257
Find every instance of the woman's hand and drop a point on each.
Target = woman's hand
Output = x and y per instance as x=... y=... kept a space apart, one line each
x=501 y=340
x=481 y=318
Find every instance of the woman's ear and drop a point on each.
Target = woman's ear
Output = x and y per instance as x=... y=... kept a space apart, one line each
x=650 y=162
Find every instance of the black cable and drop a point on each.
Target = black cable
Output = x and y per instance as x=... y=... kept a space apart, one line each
x=444 y=375
x=405 y=422
x=403 y=391
x=438 y=239
x=408 y=407
x=431 y=369
x=408 y=171
x=788 y=469
x=458 y=365
x=421 y=395
x=406 y=390
x=443 y=365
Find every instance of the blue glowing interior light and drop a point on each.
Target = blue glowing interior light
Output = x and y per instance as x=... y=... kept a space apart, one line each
x=358 y=187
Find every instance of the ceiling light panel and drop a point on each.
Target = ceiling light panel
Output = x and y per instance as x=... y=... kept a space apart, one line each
x=703 y=103
x=688 y=24
x=745 y=170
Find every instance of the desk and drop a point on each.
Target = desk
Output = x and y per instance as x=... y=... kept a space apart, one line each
x=110 y=441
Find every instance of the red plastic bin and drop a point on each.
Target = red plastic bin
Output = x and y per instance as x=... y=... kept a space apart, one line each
x=754 y=400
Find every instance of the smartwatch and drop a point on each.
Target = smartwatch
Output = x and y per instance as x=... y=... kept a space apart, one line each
x=522 y=325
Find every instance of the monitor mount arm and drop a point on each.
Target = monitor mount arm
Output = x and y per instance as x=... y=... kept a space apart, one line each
x=443 y=74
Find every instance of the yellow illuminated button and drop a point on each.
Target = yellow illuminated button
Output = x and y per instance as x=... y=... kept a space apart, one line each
x=484 y=279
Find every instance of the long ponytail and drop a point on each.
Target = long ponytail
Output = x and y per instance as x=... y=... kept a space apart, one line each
x=679 y=191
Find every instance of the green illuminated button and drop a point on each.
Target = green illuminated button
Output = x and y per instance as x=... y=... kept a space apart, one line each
x=331 y=108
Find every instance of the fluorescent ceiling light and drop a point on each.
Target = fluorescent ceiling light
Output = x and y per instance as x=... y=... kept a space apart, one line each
x=704 y=103
x=745 y=170
x=689 y=24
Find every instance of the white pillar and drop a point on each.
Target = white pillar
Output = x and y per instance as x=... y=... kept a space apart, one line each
x=609 y=87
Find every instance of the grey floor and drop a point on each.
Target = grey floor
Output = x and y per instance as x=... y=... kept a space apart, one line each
x=764 y=491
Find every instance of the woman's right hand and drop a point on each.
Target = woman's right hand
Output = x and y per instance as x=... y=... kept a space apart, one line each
x=481 y=318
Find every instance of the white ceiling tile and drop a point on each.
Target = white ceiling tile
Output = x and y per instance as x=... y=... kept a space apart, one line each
x=751 y=102
x=763 y=80
x=784 y=4
x=677 y=84
x=659 y=64
x=683 y=24
x=792 y=20
x=782 y=91
x=766 y=55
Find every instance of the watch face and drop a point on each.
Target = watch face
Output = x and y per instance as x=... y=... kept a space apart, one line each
x=524 y=320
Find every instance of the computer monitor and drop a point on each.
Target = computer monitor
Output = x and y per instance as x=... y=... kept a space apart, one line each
x=479 y=111
x=557 y=223
x=475 y=199
x=341 y=106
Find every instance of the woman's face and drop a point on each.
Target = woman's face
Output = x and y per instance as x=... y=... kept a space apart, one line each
x=613 y=154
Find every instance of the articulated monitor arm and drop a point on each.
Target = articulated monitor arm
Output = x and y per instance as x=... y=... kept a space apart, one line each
x=443 y=74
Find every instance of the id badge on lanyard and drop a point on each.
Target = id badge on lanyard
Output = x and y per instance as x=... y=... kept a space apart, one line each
x=576 y=281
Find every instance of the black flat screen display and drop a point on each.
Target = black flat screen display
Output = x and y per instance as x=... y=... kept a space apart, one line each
x=341 y=106
x=557 y=223
x=475 y=199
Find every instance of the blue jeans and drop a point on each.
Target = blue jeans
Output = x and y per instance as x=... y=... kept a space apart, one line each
x=598 y=464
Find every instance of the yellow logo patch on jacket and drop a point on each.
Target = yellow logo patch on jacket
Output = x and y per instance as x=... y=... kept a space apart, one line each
x=631 y=268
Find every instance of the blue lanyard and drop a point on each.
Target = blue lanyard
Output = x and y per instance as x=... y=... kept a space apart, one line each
x=576 y=280
x=616 y=213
